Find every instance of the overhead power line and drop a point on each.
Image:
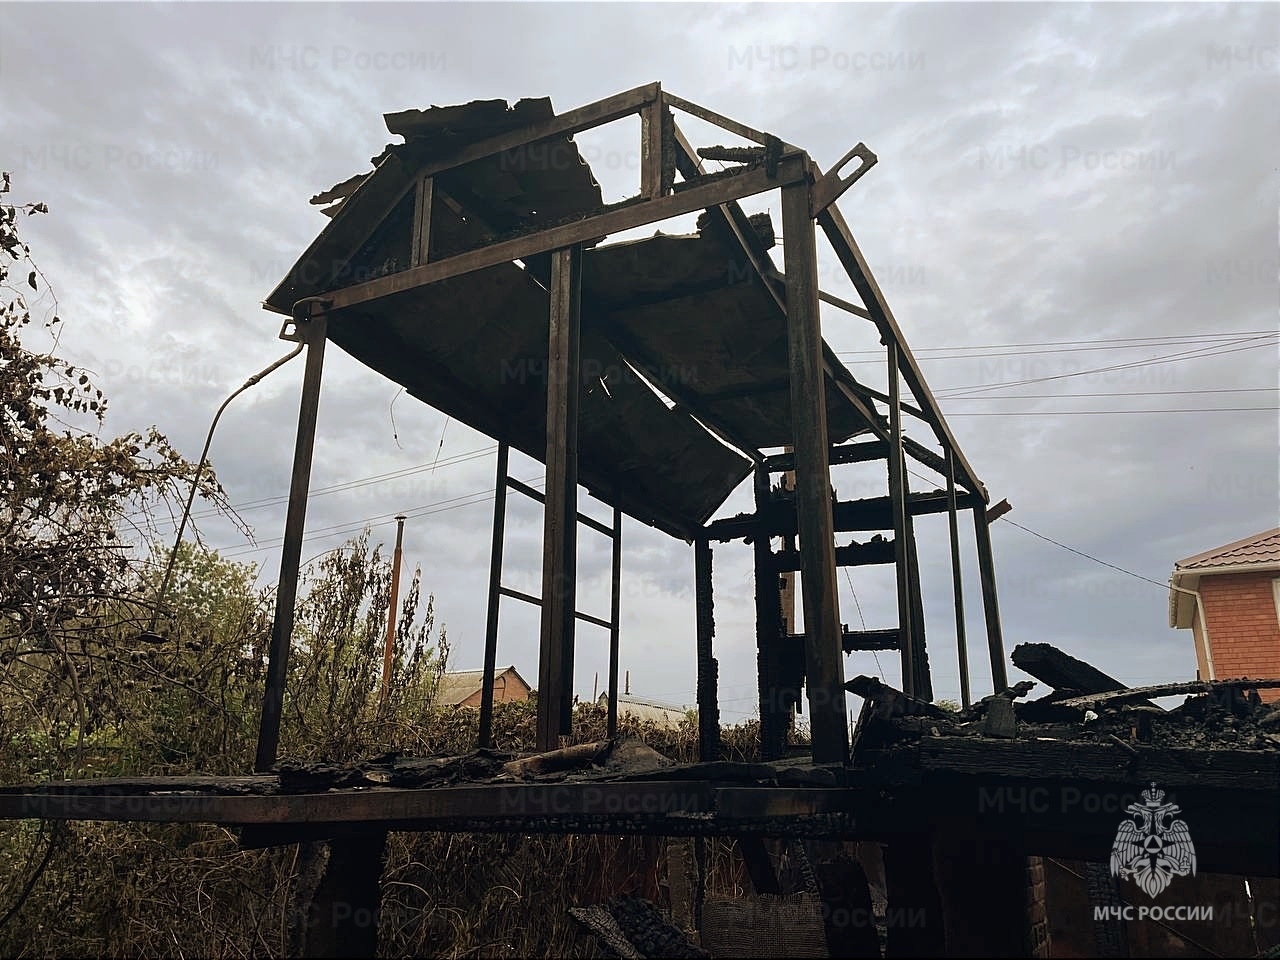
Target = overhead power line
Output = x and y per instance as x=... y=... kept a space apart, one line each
x=1089 y=413
x=1232 y=346
x=1081 y=553
x=982 y=351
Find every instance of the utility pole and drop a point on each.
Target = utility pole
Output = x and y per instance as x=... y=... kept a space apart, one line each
x=388 y=655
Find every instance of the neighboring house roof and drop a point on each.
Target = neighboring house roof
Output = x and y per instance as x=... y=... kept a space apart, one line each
x=1256 y=553
x=644 y=709
x=458 y=686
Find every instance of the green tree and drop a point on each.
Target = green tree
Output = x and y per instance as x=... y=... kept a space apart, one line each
x=68 y=495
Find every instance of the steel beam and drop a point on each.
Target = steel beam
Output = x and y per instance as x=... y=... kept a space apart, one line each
x=495 y=597
x=313 y=330
x=609 y=220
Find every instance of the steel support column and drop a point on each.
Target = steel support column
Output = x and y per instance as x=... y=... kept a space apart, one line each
x=824 y=658
x=313 y=332
x=560 y=513
x=495 y=596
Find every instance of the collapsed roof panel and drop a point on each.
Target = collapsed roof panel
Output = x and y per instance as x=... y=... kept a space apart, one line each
x=682 y=309
x=475 y=347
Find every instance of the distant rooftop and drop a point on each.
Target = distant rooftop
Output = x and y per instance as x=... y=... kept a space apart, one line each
x=458 y=685
x=1261 y=548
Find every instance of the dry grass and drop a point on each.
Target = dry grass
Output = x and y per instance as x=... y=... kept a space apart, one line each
x=180 y=890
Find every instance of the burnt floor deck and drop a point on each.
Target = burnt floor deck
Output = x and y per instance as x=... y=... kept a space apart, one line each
x=1053 y=798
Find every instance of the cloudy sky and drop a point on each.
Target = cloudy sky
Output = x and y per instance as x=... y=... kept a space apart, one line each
x=1073 y=217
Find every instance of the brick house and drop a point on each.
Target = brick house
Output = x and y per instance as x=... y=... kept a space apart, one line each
x=463 y=688
x=1230 y=598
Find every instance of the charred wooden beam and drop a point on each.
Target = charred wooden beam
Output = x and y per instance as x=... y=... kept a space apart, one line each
x=990 y=604
x=872 y=513
x=1060 y=670
x=656 y=157
x=723 y=122
x=342 y=919
x=708 y=668
x=912 y=888
x=919 y=652
x=853 y=554
x=886 y=639
x=565 y=758
x=899 y=488
x=824 y=666
x=957 y=587
x=615 y=624
x=774 y=713
x=421 y=243
x=1117 y=698
x=760 y=866
x=559 y=562
x=859 y=452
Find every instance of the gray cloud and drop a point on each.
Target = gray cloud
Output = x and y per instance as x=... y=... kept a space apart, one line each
x=1048 y=173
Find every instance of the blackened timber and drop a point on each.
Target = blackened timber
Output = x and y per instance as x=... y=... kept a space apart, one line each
x=824 y=665
x=421 y=244
x=654 y=179
x=990 y=605
x=759 y=864
x=559 y=560
x=719 y=120
x=886 y=639
x=872 y=513
x=919 y=652
x=495 y=598
x=957 y=587
x=774 y=713
x=923 y=454
x=852 y=640
x=343 y=914
x=313 y=330
x=850 y=555
x=1061 y=670
x=898 y=489
x=615 y=613
x=859 y=452
x=708 y=668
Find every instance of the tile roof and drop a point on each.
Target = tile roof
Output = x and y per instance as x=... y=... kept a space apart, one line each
x=1261 y=548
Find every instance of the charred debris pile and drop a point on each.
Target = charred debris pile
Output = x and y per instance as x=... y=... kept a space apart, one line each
x=1084 y=705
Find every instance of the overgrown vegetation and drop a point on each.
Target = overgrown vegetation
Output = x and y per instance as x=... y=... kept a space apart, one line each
x=89 y=688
